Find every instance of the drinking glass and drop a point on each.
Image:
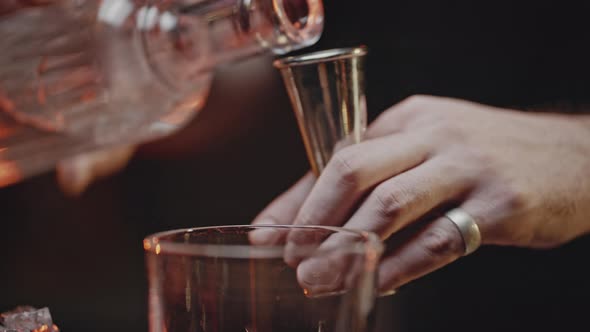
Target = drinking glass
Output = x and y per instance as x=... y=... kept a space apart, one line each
x=262 y=279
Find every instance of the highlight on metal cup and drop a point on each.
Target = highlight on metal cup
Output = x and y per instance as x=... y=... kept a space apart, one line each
x=327 y=92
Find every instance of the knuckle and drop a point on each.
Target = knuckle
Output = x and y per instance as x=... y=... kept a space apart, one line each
x=442 y=242
x=418 y=102
x=499 y=201
x=391 y=204
x=415 y=110
x=449 y=165
x=475 y=165
x=305 y=217
x=514 y=199
x=500 y=192
x=482 y=160
x=483 y=163
x=346 y=167
x=505 y=195
x=445 y=130
x=417 y=107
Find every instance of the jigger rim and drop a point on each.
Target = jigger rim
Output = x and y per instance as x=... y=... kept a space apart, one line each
x=321 y=56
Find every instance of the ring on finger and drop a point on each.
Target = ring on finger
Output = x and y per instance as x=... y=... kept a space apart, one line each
x=468 y=228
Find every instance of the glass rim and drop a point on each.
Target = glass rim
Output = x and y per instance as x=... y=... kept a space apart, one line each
x=321 y=56
x=370 y=243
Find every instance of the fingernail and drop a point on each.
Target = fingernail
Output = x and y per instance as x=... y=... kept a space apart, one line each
x=319 y=277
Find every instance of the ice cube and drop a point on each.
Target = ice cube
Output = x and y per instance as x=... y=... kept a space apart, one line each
x=27 y=319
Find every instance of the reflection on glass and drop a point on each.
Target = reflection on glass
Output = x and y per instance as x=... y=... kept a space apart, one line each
x=261 y=278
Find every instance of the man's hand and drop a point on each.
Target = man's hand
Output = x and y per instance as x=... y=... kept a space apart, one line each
x=524 y=178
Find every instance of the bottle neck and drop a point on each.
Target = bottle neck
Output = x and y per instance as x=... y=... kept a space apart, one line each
x=184 y=40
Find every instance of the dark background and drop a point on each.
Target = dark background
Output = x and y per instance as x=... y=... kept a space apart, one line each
x=83 y=257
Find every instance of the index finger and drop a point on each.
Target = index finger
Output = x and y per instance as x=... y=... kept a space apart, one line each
x=282 y=211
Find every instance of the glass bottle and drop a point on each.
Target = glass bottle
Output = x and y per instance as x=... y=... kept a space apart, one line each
x=78 y=75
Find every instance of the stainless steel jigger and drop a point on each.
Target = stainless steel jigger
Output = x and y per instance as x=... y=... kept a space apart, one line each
x=328 y=96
